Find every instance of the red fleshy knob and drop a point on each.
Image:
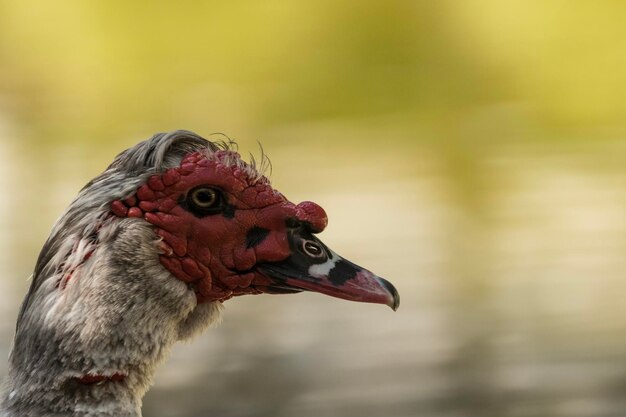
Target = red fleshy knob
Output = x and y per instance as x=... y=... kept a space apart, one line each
x=309 y=212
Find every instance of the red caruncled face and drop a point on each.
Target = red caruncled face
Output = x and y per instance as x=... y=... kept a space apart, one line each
x=224 y=229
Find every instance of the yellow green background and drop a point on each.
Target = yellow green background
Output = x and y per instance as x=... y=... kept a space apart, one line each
x=472 y=152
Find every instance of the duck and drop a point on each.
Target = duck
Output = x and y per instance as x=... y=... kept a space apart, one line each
x=147 y=255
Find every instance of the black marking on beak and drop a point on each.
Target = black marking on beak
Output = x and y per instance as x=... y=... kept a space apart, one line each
x=342 y=272
x=311 y=266
x=255 y=236
x=293 y=223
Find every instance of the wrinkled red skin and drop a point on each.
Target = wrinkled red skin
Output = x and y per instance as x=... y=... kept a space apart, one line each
x=209 y=253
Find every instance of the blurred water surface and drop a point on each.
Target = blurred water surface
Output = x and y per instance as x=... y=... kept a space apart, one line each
x=472 y=153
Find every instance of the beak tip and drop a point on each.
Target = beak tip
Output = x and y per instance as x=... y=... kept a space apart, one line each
x=394 y=303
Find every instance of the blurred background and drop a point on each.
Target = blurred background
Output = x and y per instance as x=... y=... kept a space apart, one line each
x=472 y=152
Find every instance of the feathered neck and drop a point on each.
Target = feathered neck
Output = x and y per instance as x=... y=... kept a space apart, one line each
x=100 y=303
x=116 y=315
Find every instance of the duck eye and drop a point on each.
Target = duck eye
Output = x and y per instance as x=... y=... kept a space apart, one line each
x=204 y=197
x=312 y=249
x=204 y=200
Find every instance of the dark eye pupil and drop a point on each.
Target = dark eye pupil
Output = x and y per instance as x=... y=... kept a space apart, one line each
x=205 y=197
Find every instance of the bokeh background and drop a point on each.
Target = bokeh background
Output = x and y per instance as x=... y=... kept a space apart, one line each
x=472 y=152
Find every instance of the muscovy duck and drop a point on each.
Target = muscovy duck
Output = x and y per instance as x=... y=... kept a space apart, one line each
x=145 y=256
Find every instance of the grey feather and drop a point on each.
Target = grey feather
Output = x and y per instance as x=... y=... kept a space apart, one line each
x=123 y=312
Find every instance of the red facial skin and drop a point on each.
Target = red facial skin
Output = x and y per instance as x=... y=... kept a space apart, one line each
x=210 y=253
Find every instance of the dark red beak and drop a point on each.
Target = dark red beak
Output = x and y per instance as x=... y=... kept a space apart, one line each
x=312 y=266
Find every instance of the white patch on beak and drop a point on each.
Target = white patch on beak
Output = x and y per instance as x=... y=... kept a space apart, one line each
x=322 y=270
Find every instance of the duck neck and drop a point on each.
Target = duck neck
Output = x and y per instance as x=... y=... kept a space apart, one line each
x=91 y=347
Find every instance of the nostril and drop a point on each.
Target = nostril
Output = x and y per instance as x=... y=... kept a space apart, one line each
x=313 y=214
x=312 y=249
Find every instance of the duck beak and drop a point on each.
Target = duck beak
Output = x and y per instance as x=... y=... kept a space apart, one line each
x=312 y=266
